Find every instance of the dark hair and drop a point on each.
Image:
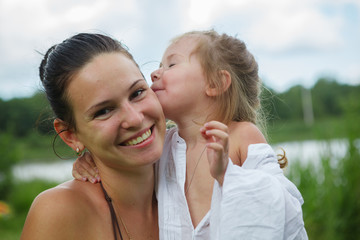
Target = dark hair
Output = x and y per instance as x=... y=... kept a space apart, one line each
x=62 y=61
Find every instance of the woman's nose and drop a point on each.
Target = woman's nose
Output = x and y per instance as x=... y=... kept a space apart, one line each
x=155 y=75
x=133 y=117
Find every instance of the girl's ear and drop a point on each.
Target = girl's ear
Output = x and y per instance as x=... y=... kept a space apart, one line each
x=225 y=79
x=68 y=135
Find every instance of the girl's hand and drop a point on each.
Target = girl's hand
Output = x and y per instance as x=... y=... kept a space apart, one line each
x=217 y=137
x=85 y=169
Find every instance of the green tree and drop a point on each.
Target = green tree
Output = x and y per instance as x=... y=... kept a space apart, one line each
x=9 y=156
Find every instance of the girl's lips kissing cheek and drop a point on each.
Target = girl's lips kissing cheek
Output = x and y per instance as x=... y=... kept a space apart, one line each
x=140 y=139
x=155 y=89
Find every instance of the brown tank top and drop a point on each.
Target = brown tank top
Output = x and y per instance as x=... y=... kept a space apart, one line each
x=114 y=220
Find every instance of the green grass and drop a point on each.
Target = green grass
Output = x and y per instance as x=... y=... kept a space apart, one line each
x=322 y=129
x=19 y=200
x=332 y=197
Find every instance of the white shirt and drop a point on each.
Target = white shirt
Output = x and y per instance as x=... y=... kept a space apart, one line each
x=256 y=201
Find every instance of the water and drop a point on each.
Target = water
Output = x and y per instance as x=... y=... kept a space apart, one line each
x=59 y=171
x=312 y=150
x=305 y=151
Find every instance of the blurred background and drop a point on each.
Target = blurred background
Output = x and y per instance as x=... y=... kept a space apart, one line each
x=309 y=58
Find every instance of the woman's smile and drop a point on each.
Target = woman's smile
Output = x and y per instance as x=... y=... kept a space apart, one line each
x=140 y=139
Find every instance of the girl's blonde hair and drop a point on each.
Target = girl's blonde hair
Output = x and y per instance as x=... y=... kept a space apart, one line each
x=241 y=101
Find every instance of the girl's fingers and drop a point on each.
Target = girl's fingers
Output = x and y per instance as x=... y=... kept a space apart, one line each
x=78 y=176
x=216 y=125
x=89 y=164
x=90 y=161
x=84 y=169
x=217 y=134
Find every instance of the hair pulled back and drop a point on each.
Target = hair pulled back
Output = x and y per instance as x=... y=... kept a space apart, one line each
x=241 y=102
x=62 y=61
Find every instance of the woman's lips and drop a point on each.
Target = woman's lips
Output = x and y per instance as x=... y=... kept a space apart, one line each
x=139 y=138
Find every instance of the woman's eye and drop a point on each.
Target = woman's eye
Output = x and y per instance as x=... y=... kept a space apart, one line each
x=137 y=93
x=102 y=113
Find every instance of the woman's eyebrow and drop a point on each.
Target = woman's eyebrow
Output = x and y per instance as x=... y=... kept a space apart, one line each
x=136 y=82
x=106 y=102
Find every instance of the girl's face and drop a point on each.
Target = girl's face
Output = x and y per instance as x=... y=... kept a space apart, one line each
x=117 y=114
x=179 y=83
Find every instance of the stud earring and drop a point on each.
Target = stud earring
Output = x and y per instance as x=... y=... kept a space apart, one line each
x=78 y=152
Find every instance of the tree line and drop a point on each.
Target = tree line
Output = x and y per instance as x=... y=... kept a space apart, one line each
x=327 y=98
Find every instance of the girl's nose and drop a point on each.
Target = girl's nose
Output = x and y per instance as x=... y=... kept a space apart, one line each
x=155 y=75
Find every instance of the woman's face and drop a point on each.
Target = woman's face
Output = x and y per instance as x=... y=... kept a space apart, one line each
x=117 y=115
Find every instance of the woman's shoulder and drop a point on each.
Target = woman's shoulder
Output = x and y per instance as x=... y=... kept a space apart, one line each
x=66 y=206
x=71 y=194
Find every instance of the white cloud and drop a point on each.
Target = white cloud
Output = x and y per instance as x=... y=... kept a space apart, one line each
x=279 y=32
x=288 y=26
x=274 y=26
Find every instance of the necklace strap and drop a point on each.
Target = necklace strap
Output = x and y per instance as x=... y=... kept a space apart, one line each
x=197 y=163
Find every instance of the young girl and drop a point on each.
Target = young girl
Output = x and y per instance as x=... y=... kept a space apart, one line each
x=205 y=76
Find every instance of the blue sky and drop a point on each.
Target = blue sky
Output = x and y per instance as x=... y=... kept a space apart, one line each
x=294 y=42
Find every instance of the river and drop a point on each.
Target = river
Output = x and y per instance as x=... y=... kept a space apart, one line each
x=305 y=151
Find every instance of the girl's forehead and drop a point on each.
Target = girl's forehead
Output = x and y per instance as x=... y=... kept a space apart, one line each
x=183 y=46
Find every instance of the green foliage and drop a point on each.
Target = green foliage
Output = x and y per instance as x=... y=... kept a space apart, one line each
x=297 y=130
x=9 y=156
x=23 y=115
x=331 y=191
x=329 y=99
x=23 y=194
x=332 y=196
x=20 y=199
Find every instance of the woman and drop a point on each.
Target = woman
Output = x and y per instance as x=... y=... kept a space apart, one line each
x=102 y=103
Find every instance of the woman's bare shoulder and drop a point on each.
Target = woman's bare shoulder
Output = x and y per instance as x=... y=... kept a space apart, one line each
x=66 y=206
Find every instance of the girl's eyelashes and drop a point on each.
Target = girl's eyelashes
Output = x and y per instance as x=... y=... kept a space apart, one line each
x=171 y=65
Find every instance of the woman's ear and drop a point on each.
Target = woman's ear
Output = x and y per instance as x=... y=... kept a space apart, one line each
x=68 y=135
x=225 y=79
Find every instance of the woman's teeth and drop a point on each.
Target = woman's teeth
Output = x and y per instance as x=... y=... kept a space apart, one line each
x=138 y=140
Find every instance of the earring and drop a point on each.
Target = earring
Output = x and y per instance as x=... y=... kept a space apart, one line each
x=78 y=152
